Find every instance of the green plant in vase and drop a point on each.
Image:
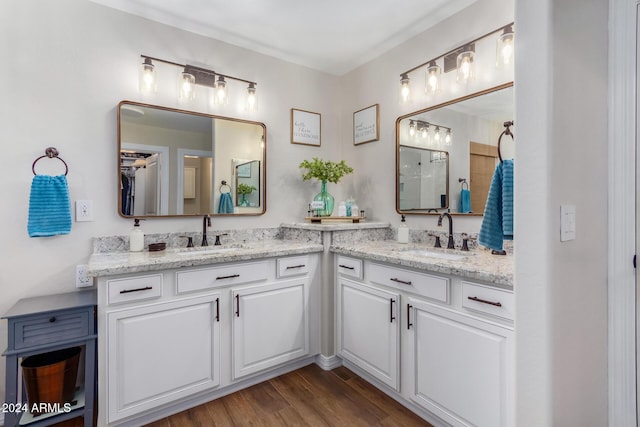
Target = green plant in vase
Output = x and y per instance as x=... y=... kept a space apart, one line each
x=245 y=189
x=324 y=171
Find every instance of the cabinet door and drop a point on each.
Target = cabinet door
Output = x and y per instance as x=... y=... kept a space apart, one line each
x=461 y=367
x=270 y=325
x=368 y=329
x=161 y=352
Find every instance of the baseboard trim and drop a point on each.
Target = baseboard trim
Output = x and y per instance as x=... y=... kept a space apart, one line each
x=328 y=363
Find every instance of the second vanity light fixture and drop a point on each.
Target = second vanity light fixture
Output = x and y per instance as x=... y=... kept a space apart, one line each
x=191 y=76
x=461 y=59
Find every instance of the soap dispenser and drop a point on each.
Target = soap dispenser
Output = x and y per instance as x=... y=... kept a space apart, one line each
x=136 y=237
x=403 y=231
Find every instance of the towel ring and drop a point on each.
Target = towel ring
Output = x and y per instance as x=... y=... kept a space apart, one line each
x=507 y=131
x=224 y=184
x=51 y=153
x=464 y=182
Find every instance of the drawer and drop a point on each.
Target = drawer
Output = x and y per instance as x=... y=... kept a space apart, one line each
x=486 y=299
x=351 y=267
x=134 y=288
x=52 y=328
x=427 y=285
x=292 y=266
x=228 y=274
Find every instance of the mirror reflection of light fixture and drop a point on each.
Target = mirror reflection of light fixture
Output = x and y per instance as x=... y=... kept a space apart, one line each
x=251 y=103
x=425 y=132
x=465 y=65
x=405 y=89
x=147 y=77
x=447 y=137
x=432 y=85
x=504 y=47
x=186 y=87
x=193 y=76
x=412 y=128
x=436 y=135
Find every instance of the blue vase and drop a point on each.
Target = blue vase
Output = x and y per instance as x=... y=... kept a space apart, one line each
x=327 y=199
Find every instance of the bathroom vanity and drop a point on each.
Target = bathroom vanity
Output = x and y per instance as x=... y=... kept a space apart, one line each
x=429 y=330
x=186 y=326
x=431 y=327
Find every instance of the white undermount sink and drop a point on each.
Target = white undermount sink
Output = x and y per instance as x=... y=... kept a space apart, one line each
x=208 y=251
x=435 y=254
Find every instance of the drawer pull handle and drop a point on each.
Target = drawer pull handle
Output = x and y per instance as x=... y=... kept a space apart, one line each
x=295 y=266
x=409 y=324
x=52 y=319
x=348 y=267
x=126 y=291
x=484 y=301
x=217 y=309
x=227 y=277
x=393 y=279
x=391 y=316
x=237 y=305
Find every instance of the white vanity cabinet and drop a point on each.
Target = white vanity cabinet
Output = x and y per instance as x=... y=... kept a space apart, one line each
x=459 y=367
x=453 y=355
x=161 y=352
x=171 y=339
x=368 y=332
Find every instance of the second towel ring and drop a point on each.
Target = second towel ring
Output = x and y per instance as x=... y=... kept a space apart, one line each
x=224 y=184
x=506 y=131
x=50 y=152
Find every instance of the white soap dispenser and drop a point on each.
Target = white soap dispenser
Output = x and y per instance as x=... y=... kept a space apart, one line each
x=136 y=237
x=403 y=232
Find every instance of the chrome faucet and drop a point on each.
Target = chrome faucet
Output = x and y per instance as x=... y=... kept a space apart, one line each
x=206 y=222
x=450 y=244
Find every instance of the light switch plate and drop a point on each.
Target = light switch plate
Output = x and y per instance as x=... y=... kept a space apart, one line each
x=567 y=222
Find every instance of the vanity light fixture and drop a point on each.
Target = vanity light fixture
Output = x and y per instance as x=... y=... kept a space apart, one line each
x=447 y=138
x=192 y=76
x=412 y=128
x=422 y=128
x=462 y=59
x=504 y=47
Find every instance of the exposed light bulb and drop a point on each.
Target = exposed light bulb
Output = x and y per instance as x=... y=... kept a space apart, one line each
x=425 y=132
x=252 y=98
x=405 y=89
x=412 y=128
x=504 y=47
x=186 y=87
x=433 y=79
x=221 y=96
x=447 y=137
x=436 y=135
x=147 y=77
x=465 y=66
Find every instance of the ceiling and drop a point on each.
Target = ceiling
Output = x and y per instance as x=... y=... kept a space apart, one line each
x=334 y=36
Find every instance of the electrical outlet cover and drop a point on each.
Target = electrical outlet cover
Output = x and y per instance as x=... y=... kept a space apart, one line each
x=82 y=279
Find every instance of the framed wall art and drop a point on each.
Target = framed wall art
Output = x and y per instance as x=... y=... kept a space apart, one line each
x=366 y=125
x=305 y=127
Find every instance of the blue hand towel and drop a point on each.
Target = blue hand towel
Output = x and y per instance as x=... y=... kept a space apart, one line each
x=465 y=201
x=225 y=205
x=49 y=206
x=497 y=222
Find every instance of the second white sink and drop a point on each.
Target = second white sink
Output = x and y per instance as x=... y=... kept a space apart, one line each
x=434 y=254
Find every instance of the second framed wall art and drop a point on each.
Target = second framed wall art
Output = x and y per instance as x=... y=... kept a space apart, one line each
x=306 y=127
x=366 y=125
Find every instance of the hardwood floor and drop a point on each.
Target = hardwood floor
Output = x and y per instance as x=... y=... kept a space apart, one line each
x=309 y=396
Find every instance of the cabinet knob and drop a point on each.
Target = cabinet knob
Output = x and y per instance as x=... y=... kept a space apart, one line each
x=52 y=319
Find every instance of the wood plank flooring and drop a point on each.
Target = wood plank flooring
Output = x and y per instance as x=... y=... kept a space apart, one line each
x=308 y=396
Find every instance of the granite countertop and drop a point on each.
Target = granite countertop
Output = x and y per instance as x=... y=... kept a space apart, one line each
x=336 y=225
x=478 y=264
x=112 y=263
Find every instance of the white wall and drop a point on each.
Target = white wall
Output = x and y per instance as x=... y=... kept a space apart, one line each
x=561 y=150
x=67 y=65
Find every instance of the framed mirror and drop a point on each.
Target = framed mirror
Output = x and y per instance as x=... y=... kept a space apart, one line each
x=451 y=147
x=180 y=163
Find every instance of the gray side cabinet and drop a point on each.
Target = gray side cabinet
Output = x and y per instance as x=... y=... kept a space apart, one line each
x=48 y=323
